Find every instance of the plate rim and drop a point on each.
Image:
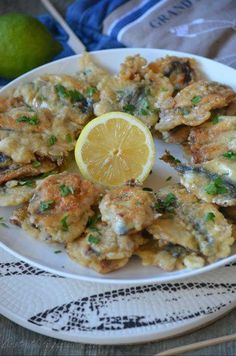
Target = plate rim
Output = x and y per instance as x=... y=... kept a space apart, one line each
x=102 y=279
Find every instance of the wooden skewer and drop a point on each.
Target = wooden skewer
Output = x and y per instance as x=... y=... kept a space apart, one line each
x=197 y=345
x=73 y=41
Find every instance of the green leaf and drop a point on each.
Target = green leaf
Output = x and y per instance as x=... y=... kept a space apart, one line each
x=230 y=155
x=46 y=205
x=196 y=99
x=36 y=164
x=73 y=94
x=28 y=182
x=52 y=140
x=216 y=119
x=66 y=190
x=216 y=187
x=58 y=251
x=166 y=204
x=209 y=217
x=93 y=239
x=64 y=223
x=129 y=108
x=92 y=220
x=91 y=91
x=61 y=91
x=69 y=138
x=29 y=120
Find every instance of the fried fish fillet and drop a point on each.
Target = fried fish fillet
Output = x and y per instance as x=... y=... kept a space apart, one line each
x=102 y=249
x=26 y=134
x=134 y=93
x=213 y=181
x=193 y=105
x=191 y=223
x=60 y=208
x=180 y=71
x=168 y=256
x=213 y=138
x=127 y=209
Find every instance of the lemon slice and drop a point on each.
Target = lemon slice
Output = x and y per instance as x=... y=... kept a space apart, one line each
x=114 y=148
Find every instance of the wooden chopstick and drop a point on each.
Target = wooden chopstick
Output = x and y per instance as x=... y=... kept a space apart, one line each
x=74 y=42
x=198 y=345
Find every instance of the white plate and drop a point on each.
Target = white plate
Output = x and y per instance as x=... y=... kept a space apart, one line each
x=93 y=313
x=41 y=254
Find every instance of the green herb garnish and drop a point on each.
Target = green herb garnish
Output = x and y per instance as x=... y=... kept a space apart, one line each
x=169 y=178
x=230 y=155
x=64 y=223
x=216 y=187
x=28 y=182
x=166 y=204
x=93 y=239
x=29 y=120
x=196 y=99
x=74 y=95
x=216 y=119
x=61 y=91
x=58 y=251
x=91 y=91
x=52 y=140
x=69 y=138
x=36 y=164
x=92 y=220
x=209 y=217
x=66 y=190
x=129 y=108
x=45 y=205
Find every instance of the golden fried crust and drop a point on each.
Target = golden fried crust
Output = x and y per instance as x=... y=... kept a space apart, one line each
x=134 y=68
x=102 y=249
x=168 y=256
x=178 y=135
x=180 y=71
x=14 y=171
x=127 y=209
x=187 y=222
x=62 y=215
x=213 y=138
x=192 y=105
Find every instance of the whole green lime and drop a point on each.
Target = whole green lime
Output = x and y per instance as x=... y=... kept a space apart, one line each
x=25 y=44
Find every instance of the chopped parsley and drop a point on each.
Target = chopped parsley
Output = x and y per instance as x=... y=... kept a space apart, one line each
x=196 y=99
x=36 y=164
x=209 y=217
x=52 y=140
x=169 y=178
x=93 y=239
x=69 y=138
x=66 y=190
x=58 y=251
x=64 y=223
x=230 y=155
x=144 y=107
x=33 y=120
x=129 y=108
x=28 y=182
x=2 y=223
x=74 y=95
x=216 y=119
x=92 y=220
x=167 y=204
x=91 y=91
x=216 y=187
x=45 y=205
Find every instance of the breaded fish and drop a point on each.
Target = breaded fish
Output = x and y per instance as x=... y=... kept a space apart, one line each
x=168 y=256
x=180 y=71
x=60 y=208
x=213 y=181
x=213 y=138
x=193 y=105
x=127 y=209
x=191 y=223
x=102 y=249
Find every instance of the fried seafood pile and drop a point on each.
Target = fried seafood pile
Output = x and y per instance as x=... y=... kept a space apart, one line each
x=185 y=225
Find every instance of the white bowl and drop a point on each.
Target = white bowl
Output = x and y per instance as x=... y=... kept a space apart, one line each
x=42 y=255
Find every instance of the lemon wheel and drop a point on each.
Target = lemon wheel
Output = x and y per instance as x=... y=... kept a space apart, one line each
x=113 y=148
